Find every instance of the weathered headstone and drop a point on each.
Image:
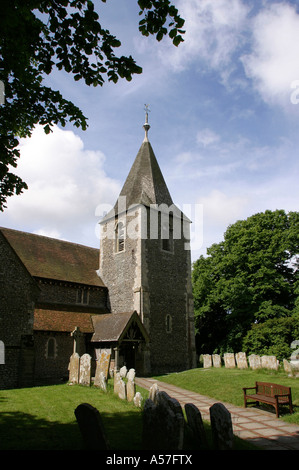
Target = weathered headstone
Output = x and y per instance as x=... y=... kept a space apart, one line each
x=207 y=361
x=229 y=360
x=194 y=421
x=85 y=370
x=137 y=400
x=216 y=360
x=131 y=375
x=254 y=361
x=103 y=363
x=101 y=381
x=91 y=427
x=269 y=362
x=163 y=424
x=241 y=360
x=119 y=386
x=221 y=426
x=288 y=367
x=123 y=371
x=153 y=392
x=74 y=368
x=131 y=390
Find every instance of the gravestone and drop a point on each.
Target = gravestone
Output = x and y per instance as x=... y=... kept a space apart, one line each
x=216 y=360
x=91 y=427
x=269 y=362
x=74 y=368
x=131 y=375
x=153 y=392
x=119 y=386
x=101 y=381
x=85 y=370
x=207 y=361
x=194 y=421
x=288 y=367
x=221 y=426
x=163 y=424
x=241 y=360
x=137 y=400
x=131 y=390
x=123 y=371
x=254 y=361
x=103 y=363
x=229 y=360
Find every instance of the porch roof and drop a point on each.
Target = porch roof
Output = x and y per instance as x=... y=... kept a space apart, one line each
x=112 y=327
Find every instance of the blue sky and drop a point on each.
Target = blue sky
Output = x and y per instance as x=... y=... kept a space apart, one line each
x=224 y=116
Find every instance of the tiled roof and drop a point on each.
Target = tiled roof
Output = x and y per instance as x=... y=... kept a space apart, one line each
x=54 y=320
x=55 y=259
x=112 y=326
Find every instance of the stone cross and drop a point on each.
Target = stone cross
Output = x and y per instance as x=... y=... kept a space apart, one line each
x=77 y=335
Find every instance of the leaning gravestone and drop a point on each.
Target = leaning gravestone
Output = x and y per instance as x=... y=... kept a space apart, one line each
x=91 y=427
x=194 y=421
x=85 y=370
x=241 y=360
x=131 y=375
x=163 y=424
x=229 y=360
x=123 y=371
x=74 y=368
x=222 y=428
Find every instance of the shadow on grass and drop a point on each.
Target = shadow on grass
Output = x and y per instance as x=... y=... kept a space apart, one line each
x=23 y=431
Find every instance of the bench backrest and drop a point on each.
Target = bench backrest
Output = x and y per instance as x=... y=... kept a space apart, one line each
x=270 y=389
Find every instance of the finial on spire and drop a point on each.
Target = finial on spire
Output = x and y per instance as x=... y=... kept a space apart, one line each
x=146 y=125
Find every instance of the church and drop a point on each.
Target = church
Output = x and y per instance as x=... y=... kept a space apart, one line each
x=132 y=296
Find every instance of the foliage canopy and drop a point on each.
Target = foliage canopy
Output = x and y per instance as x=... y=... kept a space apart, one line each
x=248 y=279
x=39 y=35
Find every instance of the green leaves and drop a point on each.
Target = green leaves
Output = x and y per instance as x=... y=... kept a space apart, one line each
x=157 y=13
x=251 y=276
x=39 y=35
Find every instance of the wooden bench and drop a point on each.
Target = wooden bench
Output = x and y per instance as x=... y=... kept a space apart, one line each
x=272 y=394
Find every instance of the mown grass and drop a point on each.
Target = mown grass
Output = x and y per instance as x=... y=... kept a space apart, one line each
x=42 y=418
x=226 y=385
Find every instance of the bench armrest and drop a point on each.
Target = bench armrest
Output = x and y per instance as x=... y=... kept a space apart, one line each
x=248 y=388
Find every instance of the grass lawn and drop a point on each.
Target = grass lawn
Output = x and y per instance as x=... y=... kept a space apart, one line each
x=226 y=385
x=42 y=418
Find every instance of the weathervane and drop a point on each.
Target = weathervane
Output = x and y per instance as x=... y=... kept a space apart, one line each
x=146 y=125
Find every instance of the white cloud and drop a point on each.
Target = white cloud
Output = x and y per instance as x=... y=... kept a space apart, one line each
x=273 y=63
x=66 y=182
x=207 y=137
x=214 y=32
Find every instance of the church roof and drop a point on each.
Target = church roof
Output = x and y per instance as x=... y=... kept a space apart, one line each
x=50 y=258
x=112 y=327
x=63 y=321
x=145 y=183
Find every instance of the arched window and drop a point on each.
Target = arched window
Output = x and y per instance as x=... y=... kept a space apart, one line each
x=120 y=237
x=168 y=323
x=51 y=348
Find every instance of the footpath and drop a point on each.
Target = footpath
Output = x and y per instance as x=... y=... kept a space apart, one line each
x=260 y=427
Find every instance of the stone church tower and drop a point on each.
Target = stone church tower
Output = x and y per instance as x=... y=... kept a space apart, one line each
x=145 y=264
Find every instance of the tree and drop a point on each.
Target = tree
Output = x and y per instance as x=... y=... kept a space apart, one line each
x=40 y=35
x=250 y=277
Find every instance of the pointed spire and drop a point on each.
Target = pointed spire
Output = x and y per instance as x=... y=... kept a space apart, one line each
x=146 y=125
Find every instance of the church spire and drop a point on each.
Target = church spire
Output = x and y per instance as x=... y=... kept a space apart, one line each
x=146 y=125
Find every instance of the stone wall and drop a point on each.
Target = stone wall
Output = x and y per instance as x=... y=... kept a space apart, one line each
x=18 y=292
x=63 y=293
